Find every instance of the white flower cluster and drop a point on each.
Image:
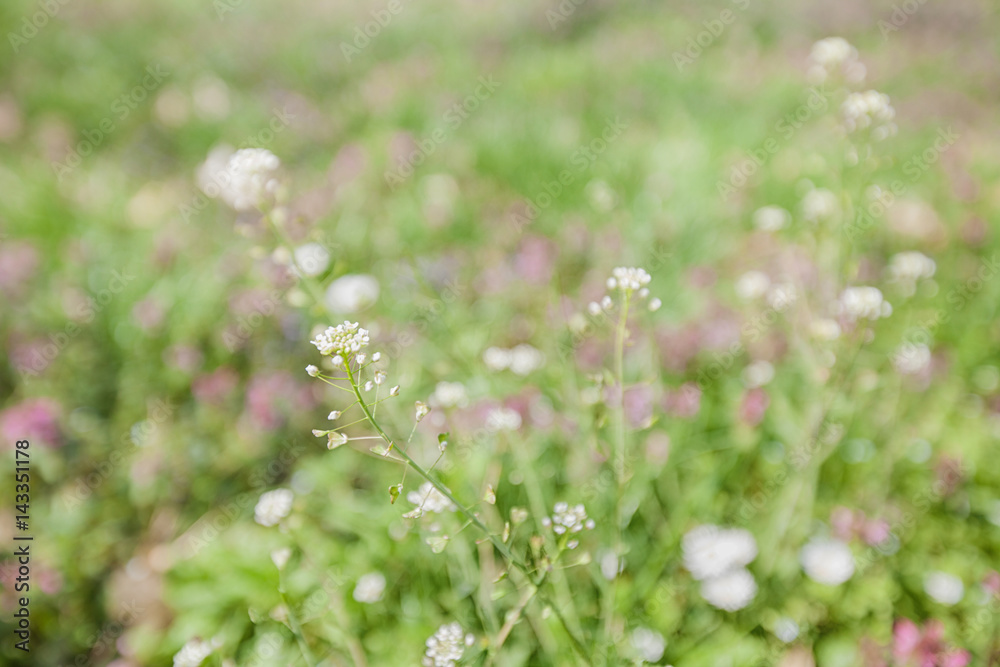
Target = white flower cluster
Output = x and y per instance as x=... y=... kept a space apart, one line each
x=649 y=644
x=428 y=499
x=566 y=519
x=522 y=359
x=341 y=341
x=193 y=653
x=906 y=268
x=718 y=558
x=835 y=56
x=819 y=204
x=273 y=506
x=503 y=419
x=628 y=280
x=944 y=588
x=911 y=358
x=369 y=588
x=870 y=109
x=827 y=561
x=249 y=178
x=771 y=218
x=449 y=395
x=863 y=303
x=446 y=646
x=352 y=292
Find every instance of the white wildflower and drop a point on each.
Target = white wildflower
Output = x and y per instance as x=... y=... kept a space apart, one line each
x=906 y=268
x=341 y=341
x=430 y=499
x=628 y=279
x=496 y=358
x=311 y=259
x=313 y=371
x=421 y=410
x=503 y=419
x=334 y=416
x=654 y=305
x=193 y=653
x=771 y=218
x=730 y=591
x=911 y=358
x=758 y=374
x=369 y=588
x=566 y=519
x=273 y=506
x=446 y=646
x=525 y=359
x=824 y=329
x=649 y=644
x=863 y=303
x=786 y=629
x=450 y=395
x=827 y=561
x=944 y=588
x=352 y=293
x=280 y=557
x=710 y=550
x=834 y=56
x=249 y=178
x=752 y=285
x=870 y=109
x=380 y=377
x=819 y=204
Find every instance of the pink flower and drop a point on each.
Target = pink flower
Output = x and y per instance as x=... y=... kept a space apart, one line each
x=914 y=648
x=754 y=406
x=535 y=260
x=214 y=387
x=684 y=402
x=34 y=420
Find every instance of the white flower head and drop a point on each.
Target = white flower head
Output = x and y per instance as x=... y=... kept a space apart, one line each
x=446 y=646
x=771 y=218
x=824 y=329
x=752 y=285
x=628 y=279
x=341 y=341
x=369 y=588
x=730 y=591
x=649 y=644
x=280 y=557
x=863 y=303
x=911 y=358
x=503 y=419
x=525 y=359
x=193 y=653
x=450 y=395
x=819 y=204
x=834 y=56
x=351 y=293
x=312 y=259
x=567 y=519
x=758 y=374
x=313 y=371
x=429 y=499
x=827 y=561
x=869 y=110
x=273 y=506
x=944 y=588
x=710 y=551
x=249 y=178
x=909 y=267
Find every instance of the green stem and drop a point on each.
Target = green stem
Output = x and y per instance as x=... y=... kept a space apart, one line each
x=296 y=627
x=469 y=514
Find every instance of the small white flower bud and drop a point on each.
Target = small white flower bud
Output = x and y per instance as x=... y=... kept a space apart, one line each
x=361 y=357
x=312 y=370
x=422 y=410
x=394 y=391
x=380 y=377
x=376 y=356
x=654 y=304
x=334 y=415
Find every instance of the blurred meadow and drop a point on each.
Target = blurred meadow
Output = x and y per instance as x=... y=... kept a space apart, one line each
x=776 y=467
